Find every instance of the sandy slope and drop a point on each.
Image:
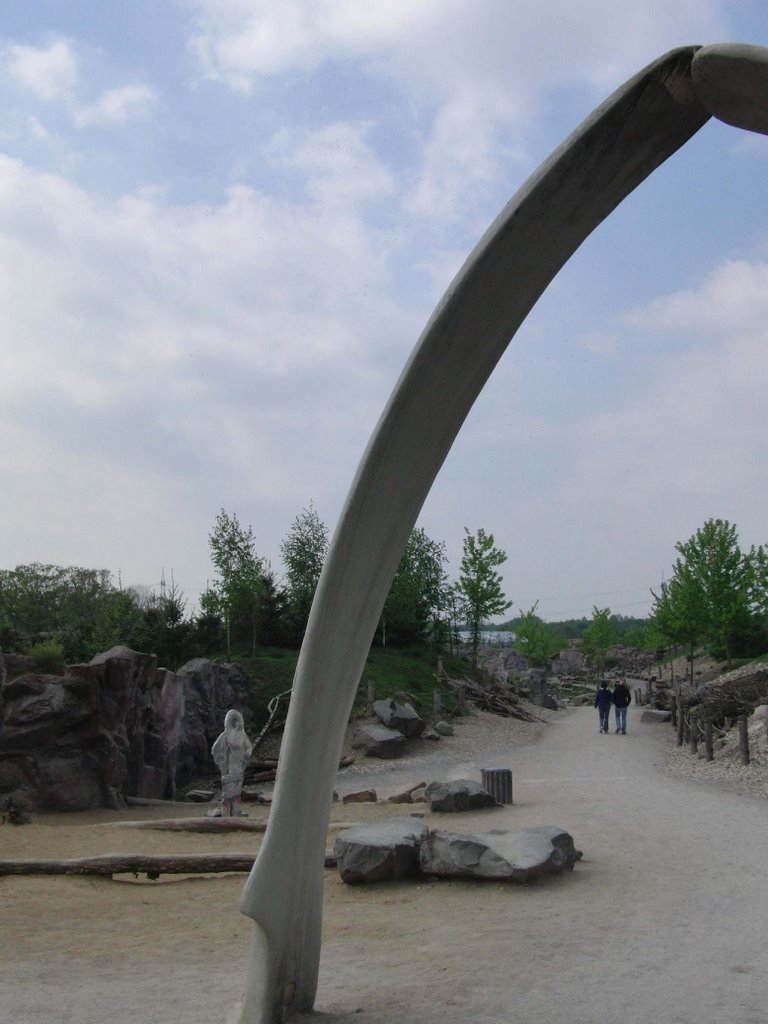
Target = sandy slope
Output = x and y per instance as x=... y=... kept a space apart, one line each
x=663 y=919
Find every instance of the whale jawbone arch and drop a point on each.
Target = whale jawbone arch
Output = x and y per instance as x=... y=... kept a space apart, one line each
x=627 y=137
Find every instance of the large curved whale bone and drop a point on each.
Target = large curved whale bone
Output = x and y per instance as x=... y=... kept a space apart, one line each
x=616 y=148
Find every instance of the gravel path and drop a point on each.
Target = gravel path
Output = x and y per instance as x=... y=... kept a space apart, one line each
x=663 y=919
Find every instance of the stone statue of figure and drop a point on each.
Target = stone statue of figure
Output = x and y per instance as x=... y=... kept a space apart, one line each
x=232 y=752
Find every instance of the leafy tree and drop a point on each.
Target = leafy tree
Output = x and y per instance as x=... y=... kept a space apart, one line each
x=480 y=586
x=532 y=638
x=598 y=637
x=303 y=550
x=712 y=565
x=417 y=600
x=238 y=587
x=680 y=612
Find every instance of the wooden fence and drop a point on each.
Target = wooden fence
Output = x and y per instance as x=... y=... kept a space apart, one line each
x=693 y=730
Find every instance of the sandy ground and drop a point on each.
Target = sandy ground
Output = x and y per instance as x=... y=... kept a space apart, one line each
x=663 y=919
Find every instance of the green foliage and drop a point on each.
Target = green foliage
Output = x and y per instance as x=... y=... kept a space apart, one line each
x=409 y=671
x=598 y=637
x=304 y=550
x=238 y=587
x=49 y=655
x=532 y=638
x=418 y=598
x=716 y=594
x=480 y=586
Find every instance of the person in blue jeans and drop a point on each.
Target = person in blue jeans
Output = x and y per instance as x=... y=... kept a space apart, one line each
x=622 y=698
x=603 y=701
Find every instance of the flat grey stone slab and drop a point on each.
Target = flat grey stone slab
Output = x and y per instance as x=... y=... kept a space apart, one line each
x=380 y=851
x=654 y=715
x=505 y=855
x=458 y=795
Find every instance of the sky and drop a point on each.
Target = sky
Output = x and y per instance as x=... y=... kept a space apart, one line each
x=224 y=224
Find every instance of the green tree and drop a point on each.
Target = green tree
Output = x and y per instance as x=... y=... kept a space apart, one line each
x=480 y=586
x=680 y=613
x=598 y=637
x=238 y=586
x=712 y=563
x=532 y=638
x=416 y=604
x=304 y=550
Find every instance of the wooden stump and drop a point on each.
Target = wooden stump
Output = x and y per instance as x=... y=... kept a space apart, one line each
x=743 y=739
x=498 y=782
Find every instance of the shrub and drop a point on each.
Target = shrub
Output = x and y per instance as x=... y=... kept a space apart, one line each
x=49 y=655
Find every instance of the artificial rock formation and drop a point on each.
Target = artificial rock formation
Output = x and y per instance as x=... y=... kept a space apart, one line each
x=400 y=717
x=615 y=149
x=517 y=855
x=116 y=727
x=457 y=796
x=381 y=851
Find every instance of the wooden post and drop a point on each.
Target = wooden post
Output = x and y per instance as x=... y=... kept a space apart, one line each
x=462 y=696
x=680 y=727
x=743 y=739
x=370 y=697
x=498 y=782
x=439 y=668
x=694 y=730
x=673 y=709
x=438 y=705
x=708 y=748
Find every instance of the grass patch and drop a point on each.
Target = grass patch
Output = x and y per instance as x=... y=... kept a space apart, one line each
x=397 y=673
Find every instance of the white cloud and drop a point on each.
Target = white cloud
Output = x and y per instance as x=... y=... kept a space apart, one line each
x=116 y=107
x=447 y=45
x=338 y=165
x=54 y=74
x=50 y=73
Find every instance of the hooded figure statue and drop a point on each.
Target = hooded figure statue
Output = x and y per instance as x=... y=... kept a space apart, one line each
x=231 y=752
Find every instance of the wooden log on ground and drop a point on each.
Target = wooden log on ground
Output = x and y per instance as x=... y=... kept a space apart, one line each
x=134 y=864
x=153 y=865
x=194 y=825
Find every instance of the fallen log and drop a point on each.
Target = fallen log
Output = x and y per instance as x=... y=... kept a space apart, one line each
x=135 y=864
x=194 y=825
x=122 y=864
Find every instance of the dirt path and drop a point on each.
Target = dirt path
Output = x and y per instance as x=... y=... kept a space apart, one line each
x=663 y=919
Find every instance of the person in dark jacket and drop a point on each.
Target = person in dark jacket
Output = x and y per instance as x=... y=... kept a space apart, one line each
x=603 y=701
x=622 y=698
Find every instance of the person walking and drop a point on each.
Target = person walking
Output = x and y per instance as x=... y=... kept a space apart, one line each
x=622 y=698
x=603 y=701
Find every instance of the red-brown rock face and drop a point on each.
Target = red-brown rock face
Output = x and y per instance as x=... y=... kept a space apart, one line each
x=118 y=726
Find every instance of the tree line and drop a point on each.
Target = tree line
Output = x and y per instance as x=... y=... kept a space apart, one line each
x=716 y=596
x=67 y=614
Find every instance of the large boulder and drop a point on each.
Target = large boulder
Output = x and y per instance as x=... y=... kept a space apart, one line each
x=459 y=795
x=400 y=717
x=504 y=855
x=381 y=851
x=118 y=726
x=209 y=690
x=379 y=741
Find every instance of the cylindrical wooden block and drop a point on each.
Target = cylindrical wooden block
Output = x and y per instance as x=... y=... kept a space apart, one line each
x=743 y=739
x=673 y=708
x=708 y=745
x=498 y=782
x=694 y=727
x=680 y=727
